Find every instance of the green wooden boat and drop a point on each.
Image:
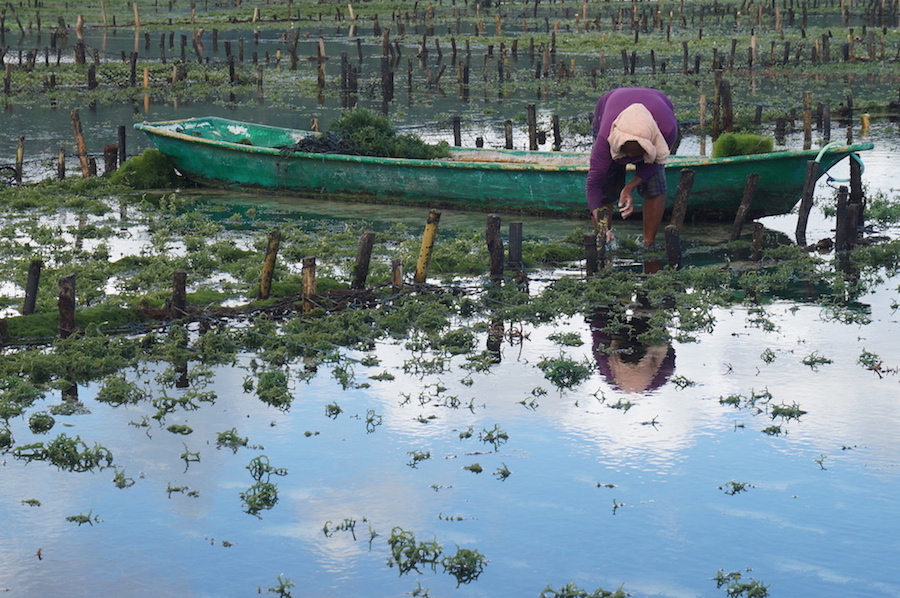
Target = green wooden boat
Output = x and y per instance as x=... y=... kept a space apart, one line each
x=220 y=152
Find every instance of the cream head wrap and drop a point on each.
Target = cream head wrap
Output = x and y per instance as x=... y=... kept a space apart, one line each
x=635 y=123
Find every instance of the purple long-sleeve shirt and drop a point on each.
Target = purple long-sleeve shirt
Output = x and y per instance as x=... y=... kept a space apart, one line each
x=607 y=110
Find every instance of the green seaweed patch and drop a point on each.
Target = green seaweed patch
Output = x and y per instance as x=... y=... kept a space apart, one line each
x=46 y=325
x=151 y=169
x=741 y=144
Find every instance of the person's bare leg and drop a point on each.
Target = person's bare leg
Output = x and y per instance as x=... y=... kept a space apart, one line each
x=653 y=212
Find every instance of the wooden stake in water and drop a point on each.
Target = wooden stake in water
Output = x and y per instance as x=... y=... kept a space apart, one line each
x=682 y=196
x=428 y=238
x=744 y=208
x=308 y=282
x=673 y=247
x=363 y=259
x=179 y=295
x=66 y=305
x=268 y=269
x=806 y=200
x=79 y=143
x=31 y=286
x=20 y=158
x=495 y=247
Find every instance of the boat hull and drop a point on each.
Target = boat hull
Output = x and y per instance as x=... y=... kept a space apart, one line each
x=218 y=152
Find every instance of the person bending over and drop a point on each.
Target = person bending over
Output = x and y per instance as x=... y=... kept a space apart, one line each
x=632 y=125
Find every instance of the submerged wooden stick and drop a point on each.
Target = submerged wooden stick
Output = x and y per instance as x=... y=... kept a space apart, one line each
x=428 y=238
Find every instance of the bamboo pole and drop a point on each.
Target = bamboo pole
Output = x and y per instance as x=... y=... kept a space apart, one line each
x=428 y=239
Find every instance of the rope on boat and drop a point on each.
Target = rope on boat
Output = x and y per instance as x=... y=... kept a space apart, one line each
x=853 y=155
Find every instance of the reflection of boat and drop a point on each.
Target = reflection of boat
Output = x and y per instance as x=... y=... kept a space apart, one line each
x=624 y=361
x=220 y=152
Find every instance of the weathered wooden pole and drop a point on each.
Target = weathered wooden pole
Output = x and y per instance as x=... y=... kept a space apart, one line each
x=120 y=146
x=673 y=247
x=457 y=131
x=179 y=295
x=61 y=164
x=515 y=245
x=268 y=269
x=807 y=120
x=842 y=224
x=66 y=305
x=757 y=244
x=31 y=286
x=363 y=259
x=590 y=254
x=110 y=156
x=428 y=238
x=532 y=126
x=308 y=282
x=79 y=143
x=495 y=247
x=857 y=197
x=557 y=136
x=744 y=208
x=508 y=134
x=806 y=200
x=397 y=274
x=682 y=196
x=20 y=158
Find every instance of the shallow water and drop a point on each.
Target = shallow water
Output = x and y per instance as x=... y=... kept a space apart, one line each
x=598 y=495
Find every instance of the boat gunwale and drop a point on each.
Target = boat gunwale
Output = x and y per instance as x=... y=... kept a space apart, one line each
x=158 y=129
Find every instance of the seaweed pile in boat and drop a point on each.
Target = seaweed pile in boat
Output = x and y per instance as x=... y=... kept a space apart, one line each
x=361 y=132
x=327 y=143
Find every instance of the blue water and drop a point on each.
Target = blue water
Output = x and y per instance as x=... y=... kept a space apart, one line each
x=820 y=515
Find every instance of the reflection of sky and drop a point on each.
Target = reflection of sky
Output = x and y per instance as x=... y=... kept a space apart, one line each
x=805 y=529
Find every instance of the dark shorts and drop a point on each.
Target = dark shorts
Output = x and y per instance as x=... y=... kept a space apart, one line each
x=615 y=181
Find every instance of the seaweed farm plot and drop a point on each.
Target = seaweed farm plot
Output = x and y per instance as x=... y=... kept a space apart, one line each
x=710 y=431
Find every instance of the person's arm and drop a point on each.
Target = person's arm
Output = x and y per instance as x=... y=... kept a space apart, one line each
x=626 y=199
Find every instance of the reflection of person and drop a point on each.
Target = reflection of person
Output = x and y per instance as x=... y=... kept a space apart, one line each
x=625 y=362
x=632 y=125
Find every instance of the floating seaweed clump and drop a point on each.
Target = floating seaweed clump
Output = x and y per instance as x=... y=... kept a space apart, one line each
x=364 y=133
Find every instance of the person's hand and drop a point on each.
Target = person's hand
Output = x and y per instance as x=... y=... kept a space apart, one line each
x=626 y=202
